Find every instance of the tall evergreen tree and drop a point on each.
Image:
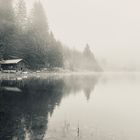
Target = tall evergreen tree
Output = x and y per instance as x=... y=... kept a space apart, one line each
x=54 y=52
x=21 y=15
x=88 y=53
x=19 y=47
x=39 y=25
x=7 y=28
x=38 y=33
x=90 y=62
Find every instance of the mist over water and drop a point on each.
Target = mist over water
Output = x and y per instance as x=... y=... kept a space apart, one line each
x=67 y=107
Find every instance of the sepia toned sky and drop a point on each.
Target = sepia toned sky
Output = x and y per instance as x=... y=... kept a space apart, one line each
x=111 y=27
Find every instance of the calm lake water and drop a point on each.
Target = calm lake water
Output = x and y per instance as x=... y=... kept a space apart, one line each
x=70 y=107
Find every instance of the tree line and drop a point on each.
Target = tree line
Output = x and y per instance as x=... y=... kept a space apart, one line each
x=26 y=35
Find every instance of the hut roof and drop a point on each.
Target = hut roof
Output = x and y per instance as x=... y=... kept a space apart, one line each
x=12 y=61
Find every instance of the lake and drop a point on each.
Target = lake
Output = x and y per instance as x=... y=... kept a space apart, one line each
x=70 y=107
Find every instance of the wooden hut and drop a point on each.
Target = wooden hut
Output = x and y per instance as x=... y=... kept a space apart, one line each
x=13 y=65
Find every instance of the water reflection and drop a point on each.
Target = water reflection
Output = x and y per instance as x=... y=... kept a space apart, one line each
x=26 y=104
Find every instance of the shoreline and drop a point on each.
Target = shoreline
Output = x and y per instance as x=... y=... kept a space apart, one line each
x=45 y=74
x=59 y=73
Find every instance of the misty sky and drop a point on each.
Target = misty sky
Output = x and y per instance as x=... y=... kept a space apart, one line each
x=112 y=28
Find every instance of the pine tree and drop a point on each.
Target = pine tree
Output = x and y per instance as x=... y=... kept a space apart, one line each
x=38 y=34
x=88 y=53
x=90 y=62
x=54 y=52
x=7 y=28
x=21 y=16
x=39 y=24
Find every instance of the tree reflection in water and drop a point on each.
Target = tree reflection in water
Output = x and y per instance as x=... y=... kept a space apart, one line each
x=26 y=104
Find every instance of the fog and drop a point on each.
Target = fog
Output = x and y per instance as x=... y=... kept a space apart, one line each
x=110 y=27
x=69 y=70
